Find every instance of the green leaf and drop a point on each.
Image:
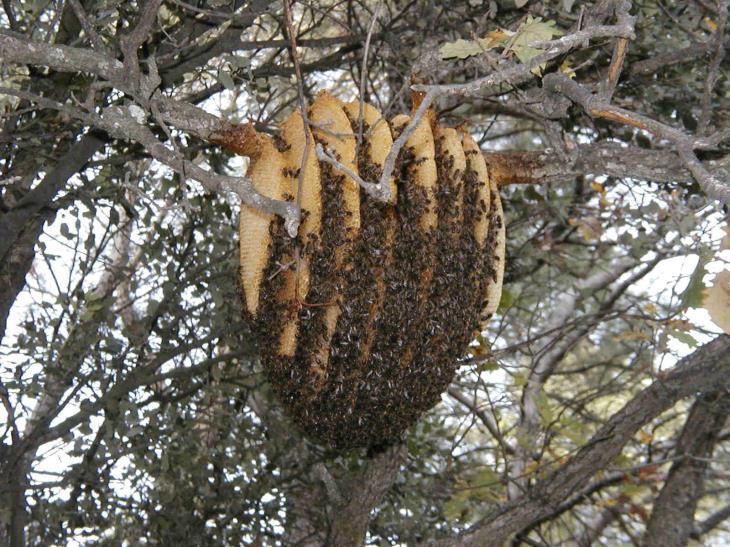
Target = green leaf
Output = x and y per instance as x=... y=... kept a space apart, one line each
x=630 y=489
x=486 y=477
x=693 y=295
x=683 y=337
x=65 y=232
x=96 y=306
x=91 y=296
x=224 y=77
x=573 y=429
x=547 y=416
x=457 y=507
x=461 y=49
x=531 y=31
x=87 y=314
x=238 y=61
x=520 y=378
x=488 y=366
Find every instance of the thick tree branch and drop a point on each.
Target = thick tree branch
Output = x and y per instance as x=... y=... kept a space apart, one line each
x=705 y=370
x=672 y=518
x=596 y=106
x=711 y=522
x=364 y=491
x=130 y=123
x=26 y=219
x=15 y=48
x=603 y=158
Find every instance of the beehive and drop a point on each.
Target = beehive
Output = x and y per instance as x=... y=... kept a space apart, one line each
x=363 y=316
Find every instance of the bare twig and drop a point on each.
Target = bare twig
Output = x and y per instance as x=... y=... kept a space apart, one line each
x=614 y=70
x=370 y=187
x=485 y=418
x=364 y=73
x=131 y=42
x=383 y=188
x=302 y=108
x=88 y=26
x=597 y=107
x=714 y=69
x=10 y=413
x=10 y=14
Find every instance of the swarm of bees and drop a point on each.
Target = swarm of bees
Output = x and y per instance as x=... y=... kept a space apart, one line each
x=363 y=316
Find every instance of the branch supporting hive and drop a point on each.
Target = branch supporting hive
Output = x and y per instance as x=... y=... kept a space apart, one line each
x=363 y=316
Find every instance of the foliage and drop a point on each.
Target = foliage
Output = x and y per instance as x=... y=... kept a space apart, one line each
x=134 y=407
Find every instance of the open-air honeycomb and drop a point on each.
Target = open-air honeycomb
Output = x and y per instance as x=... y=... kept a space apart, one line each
x=362 y=317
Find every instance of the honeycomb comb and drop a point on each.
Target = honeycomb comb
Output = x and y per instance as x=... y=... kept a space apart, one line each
x=363 y=316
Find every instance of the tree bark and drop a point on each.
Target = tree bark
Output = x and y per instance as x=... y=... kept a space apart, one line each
x=362 y=493
x=614 y=160
x=672 y=519
x=705 y=370
x=12 y=499
x=21 y=227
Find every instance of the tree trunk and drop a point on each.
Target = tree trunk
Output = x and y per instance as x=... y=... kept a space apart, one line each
x=672 y=519
x=12 y=502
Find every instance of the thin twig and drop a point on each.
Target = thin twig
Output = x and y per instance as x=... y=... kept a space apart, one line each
x=389 y=163
x=10 y=14
x=714 y=69
x=371 y=188
x=307 y=133
x=614 y=69
x=595 y=106
x=87 y=25
x=489 y=422
x=12 y=425
x=363 y=75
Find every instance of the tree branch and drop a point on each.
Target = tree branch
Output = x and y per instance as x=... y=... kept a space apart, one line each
x=601 y=158
x=711 y=522
x=130 y=123
x=672 y=518
x=547 y=356
x=597 y=107
x=366 y=489
x=485 y=418
x=705 y=370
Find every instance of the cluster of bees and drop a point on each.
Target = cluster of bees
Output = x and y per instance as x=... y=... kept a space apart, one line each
x=362 y=317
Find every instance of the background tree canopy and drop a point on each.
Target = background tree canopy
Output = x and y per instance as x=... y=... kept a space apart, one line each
x=593 y=410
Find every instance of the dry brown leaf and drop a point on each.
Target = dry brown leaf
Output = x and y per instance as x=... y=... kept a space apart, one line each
x=717 y=301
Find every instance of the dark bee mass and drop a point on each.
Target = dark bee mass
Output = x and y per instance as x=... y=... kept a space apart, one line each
x=409 y=300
